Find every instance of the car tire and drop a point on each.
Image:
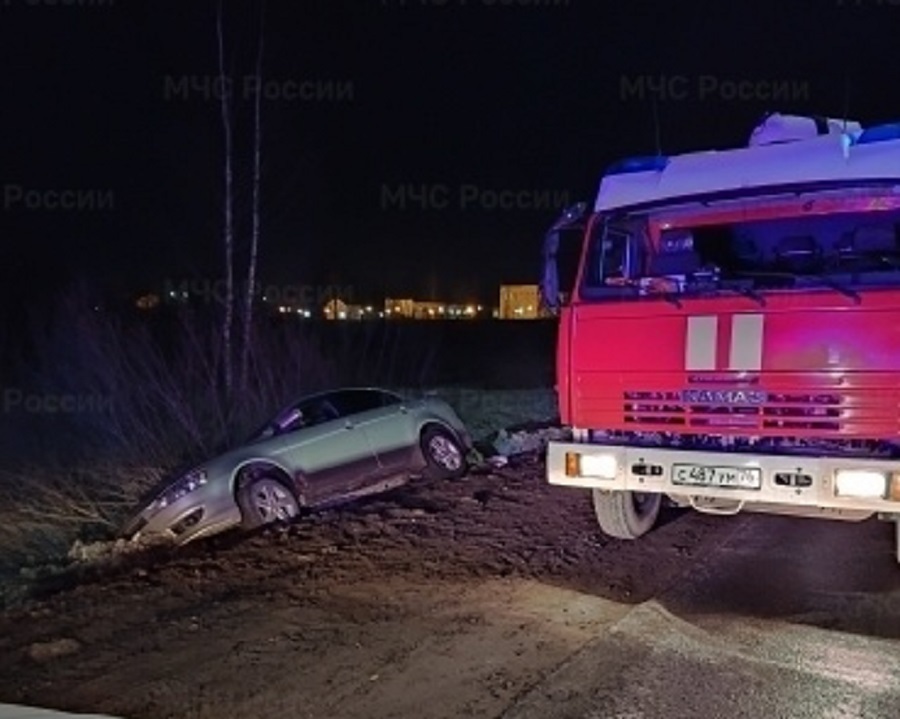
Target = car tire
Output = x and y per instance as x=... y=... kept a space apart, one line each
x=444 y=455
x=266 y=500
x=626 y=515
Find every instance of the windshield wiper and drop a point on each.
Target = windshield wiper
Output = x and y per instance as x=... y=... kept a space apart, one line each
x=798 y=279
x=695 y=287
x=743 y=291
x=751 y=294
x=642 y=285
x=838 y=287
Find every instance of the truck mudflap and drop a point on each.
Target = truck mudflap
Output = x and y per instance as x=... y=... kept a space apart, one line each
x=726 y=482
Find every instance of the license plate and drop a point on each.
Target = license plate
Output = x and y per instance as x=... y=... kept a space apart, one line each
x=706 y=476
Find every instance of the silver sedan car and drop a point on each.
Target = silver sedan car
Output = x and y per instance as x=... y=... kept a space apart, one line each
x=324 y=449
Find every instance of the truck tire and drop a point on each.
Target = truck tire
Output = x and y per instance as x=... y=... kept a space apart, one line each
x=626 y=515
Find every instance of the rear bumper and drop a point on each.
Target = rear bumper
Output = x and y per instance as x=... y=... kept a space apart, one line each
x=787 y=481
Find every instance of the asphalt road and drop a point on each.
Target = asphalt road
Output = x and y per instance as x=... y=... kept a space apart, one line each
x=786 y=618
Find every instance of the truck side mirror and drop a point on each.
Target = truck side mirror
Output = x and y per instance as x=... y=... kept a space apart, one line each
x=549 y=287
x=572 y=217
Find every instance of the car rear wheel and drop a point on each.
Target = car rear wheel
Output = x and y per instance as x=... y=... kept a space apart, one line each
x=266 y=500
x=626 y=515
x=443 y=453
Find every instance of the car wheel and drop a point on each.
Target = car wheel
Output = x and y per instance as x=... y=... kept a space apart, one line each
x=626 y=515
x=443 y=453
x=266 y=500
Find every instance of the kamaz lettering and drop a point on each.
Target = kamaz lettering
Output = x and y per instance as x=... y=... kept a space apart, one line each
x=721 y=396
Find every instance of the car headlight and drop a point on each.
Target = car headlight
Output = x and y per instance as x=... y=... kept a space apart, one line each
x=180 y=488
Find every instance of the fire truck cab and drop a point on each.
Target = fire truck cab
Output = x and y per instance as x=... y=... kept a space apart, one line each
x=731 y=338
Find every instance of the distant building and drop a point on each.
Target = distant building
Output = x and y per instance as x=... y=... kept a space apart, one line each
x=518 y=302
x=147 y=302
x=399 y=308
x=337 y=309
x=429 y=310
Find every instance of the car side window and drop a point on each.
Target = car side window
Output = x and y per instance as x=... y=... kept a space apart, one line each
x=348 y=402
x=389 y=399
x=318 y=411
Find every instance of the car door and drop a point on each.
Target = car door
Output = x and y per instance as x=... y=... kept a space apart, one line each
x=387 y=423
x=392 y=434
x=326 y=453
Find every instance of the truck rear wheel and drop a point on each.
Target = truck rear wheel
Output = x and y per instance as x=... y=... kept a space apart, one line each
x=626 y=515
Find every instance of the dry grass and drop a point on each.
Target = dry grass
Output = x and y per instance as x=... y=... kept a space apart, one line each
x=108 y=398
x=486 y=411
x=43 y=510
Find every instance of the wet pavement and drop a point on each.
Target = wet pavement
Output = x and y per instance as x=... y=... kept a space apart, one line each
x=786 y=618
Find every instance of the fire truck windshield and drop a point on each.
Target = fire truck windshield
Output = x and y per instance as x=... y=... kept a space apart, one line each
x=748 y=252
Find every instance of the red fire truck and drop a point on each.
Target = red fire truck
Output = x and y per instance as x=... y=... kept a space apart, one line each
x=730 y=339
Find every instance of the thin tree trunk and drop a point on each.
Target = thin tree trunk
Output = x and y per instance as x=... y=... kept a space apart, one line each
x=228 y=231
x=254 y=233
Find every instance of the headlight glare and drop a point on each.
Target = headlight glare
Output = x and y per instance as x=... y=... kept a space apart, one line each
x=599 y=466
x=185 y=485
x=602 y=466
x=860 y=483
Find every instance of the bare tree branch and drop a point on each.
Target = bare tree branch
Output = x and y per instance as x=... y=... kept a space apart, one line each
x=228 y=230
x=254 y=233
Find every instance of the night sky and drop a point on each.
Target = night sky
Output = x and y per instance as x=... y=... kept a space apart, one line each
x=111 y=102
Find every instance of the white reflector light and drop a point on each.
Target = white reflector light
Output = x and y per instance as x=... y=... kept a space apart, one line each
x=863 y=483
x=602 y=466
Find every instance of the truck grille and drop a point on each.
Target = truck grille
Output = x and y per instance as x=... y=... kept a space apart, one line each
x=716 y=410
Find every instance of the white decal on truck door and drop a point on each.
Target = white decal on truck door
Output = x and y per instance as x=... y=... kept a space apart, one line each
x=700 y=346
x=745 y=345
